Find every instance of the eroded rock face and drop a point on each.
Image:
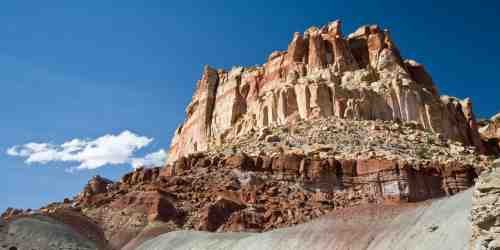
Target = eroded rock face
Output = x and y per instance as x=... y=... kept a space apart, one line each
x=490 y=131
x=96 y=185
x=486 y=210
x=276 y=177
x=322 y=74
x=215 y=215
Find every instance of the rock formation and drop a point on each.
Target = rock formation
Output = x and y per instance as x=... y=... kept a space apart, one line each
x=322 y=74
x=490 y=132
x=486 y=210
x=438 y=225
x=334 y=125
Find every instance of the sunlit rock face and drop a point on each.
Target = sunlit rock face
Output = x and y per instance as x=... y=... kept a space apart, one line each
x=322 y=74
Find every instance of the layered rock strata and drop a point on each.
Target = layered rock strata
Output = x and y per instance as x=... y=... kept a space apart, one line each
x=241 y=193
x=277 y=177
x=442 y=224
x=322 y=74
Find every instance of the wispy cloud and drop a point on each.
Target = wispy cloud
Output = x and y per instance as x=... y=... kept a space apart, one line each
x=91 y=154
x=154 y=159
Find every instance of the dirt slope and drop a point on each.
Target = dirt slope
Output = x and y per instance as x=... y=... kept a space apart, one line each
x=40 y=233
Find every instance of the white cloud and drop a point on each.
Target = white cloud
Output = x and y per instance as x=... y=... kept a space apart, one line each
x=154 y=159
x=91 y=154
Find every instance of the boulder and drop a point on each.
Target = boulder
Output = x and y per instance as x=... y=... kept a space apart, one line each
x=156 y=205
x=486 y=210
x=216 y=214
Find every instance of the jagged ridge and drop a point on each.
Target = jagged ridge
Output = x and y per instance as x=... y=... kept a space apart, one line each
x=321 y=74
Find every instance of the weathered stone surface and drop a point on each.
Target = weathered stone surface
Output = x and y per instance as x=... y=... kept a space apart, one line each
x=332 y=123
x=217 y=214
x=297 y=49
x=342 y=58
x=141 y=175
x=241 y=161
x=490 y=132
x=289 y=164
x=317 y=51
x=273 y=189
x=96 y=185
x=322 y=74
x=194 y=134
x=154 y=204
x=373 y=166
x=486 y=210
x=437 y=225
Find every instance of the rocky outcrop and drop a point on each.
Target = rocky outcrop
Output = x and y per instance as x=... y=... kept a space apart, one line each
x=322 y=74
x=334 y=125
x=12 y=212
x=96 y=185
x=486 y=210
x=490 y=132
x=248 y=192
x=438 y=225
x=216 y=214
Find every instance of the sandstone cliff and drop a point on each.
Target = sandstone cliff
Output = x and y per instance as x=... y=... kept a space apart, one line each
x=490 y=132
x=322 y=74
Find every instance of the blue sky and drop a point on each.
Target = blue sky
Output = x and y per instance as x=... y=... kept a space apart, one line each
x=86 y=69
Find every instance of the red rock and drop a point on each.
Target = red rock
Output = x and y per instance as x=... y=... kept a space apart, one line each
x=348 y=167
x=343 y=60
x=244 y=221
x=317 y=50
x=420 y=74
x=424 y=185
x=267 y=163
x=490 y=132
x=297 y=50
x=374 y=165
x=97 y=185
x=287 y=163
x=155 y=205
x=473 y=129
x=241 y=161
x=216 y=214
x=321 y=171
x=141 y=175
x=304 y=82
x=249 y=196
x=181 y=165
x=202 y=163
x=167 y=171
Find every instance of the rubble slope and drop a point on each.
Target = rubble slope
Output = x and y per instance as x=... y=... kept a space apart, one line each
x=440 y=224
